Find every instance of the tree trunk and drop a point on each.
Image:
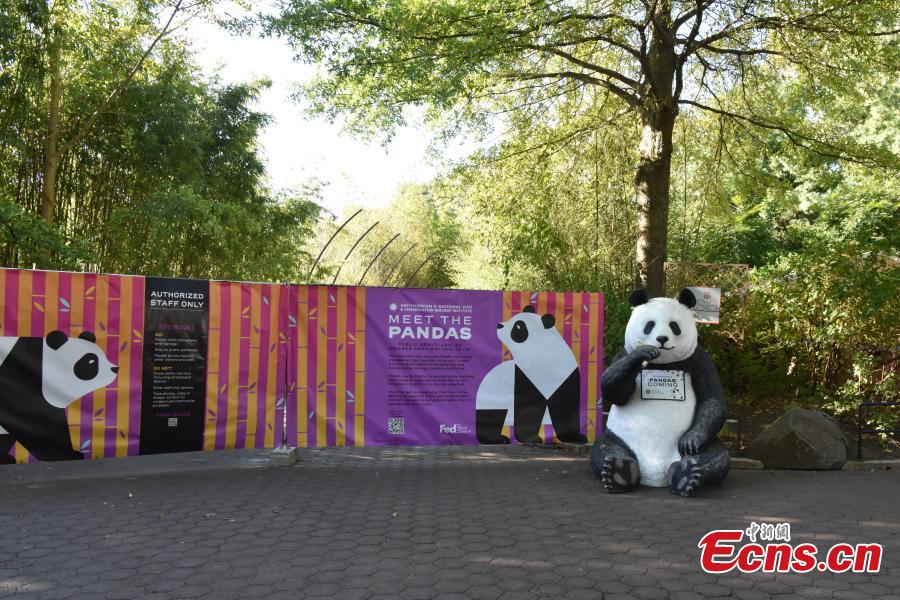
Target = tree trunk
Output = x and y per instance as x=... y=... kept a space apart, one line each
x=651 y=187
x=51 y=141
x=651 y=182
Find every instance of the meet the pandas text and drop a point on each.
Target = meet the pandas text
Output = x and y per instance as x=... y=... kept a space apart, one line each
x=429 y=327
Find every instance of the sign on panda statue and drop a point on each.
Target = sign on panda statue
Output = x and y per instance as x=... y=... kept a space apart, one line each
x=39 y=378
x=667 y=404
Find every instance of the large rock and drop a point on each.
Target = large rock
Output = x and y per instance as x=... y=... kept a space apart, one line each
x=801 y=439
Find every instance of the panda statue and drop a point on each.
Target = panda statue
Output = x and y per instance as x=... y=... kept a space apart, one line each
x=39 y=378
x=667 y=404
x=540 y=385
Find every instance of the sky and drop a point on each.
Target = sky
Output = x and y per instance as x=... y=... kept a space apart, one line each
x=297 y=147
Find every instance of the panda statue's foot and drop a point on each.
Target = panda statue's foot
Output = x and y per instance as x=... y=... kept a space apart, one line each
x=619 y=474
x=685 y=476
x=574 y=438
x=7 y=459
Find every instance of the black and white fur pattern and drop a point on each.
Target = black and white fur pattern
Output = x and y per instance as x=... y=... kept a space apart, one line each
x=540 y=385
x=39 y=378
x=658 y=442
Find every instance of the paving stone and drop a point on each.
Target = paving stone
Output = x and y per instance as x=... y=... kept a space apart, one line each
x=325 y=528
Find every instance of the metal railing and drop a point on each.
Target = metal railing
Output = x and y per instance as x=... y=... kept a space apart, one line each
x=860 y=430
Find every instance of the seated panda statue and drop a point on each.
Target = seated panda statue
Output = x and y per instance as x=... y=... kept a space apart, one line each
x=667 y=404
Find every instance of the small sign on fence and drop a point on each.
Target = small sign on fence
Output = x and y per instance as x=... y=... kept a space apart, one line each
x=709 y=300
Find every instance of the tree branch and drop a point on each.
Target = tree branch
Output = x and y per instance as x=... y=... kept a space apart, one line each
x=800 y=139
x=625 y=95
x=585 y=64
x=117 y=91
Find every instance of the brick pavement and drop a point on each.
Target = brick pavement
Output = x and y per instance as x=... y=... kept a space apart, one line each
x=438 y=523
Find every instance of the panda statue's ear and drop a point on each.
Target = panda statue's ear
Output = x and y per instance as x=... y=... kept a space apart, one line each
x=687 y=297
x=528 y=309
x=88 y=336
x=638 y=297
x=548 y=320
x=55 y=339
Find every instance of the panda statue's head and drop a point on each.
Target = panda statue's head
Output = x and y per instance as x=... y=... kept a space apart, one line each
x=526 y=329
x=662 y=322
x=73 y=367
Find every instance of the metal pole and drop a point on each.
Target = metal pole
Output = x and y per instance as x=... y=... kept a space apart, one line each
x=859 y=429
x=284 y=397
x=416 y=272
x=383 y=248
x=397 y=264
x=328 y=243
x=351 y=251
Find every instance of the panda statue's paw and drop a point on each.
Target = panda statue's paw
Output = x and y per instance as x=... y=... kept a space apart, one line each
x=619 y=474
x=7 y=459
x=574 y=438
x=685 y=476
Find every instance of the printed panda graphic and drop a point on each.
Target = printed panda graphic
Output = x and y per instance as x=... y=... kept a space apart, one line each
x=39 y=378
x=540 y=385
x=667 y=404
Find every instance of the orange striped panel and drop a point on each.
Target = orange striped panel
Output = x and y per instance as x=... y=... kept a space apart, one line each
x=577 y=309
x=123 y=380
x=303 y=325
x=51 y=301
x=507 y=314
x=77 y=323
x=277 y=337
x=253 y=375
x=592 y=366
x=98 y=431
x=340 y=384
x=24 y=330
x=559 y=315
x=213 y=365
x=540 y=309
x=322 y=367
x=234 y=368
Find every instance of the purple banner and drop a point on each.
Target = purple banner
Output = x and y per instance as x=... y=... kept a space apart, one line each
x=470 y=367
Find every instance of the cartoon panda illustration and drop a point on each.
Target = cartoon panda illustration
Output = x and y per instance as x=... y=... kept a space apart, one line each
x=39 y=378
x=540 y=385
x=667 y=404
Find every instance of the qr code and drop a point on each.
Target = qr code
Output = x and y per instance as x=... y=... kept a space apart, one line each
x=395 y=426
x=173 y=421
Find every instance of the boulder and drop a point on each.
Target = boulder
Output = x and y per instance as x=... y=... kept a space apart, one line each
x=801 y=439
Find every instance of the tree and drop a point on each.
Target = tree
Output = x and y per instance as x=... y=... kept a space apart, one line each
x=468 y=59
x=63 y=30
x=167 y=180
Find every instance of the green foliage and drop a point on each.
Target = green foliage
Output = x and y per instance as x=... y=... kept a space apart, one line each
x=785 y=159
x=550 y=207
x=168 y=181
x=832 y=303
x=184 y=234
x=823 y=234
x=28 y=240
